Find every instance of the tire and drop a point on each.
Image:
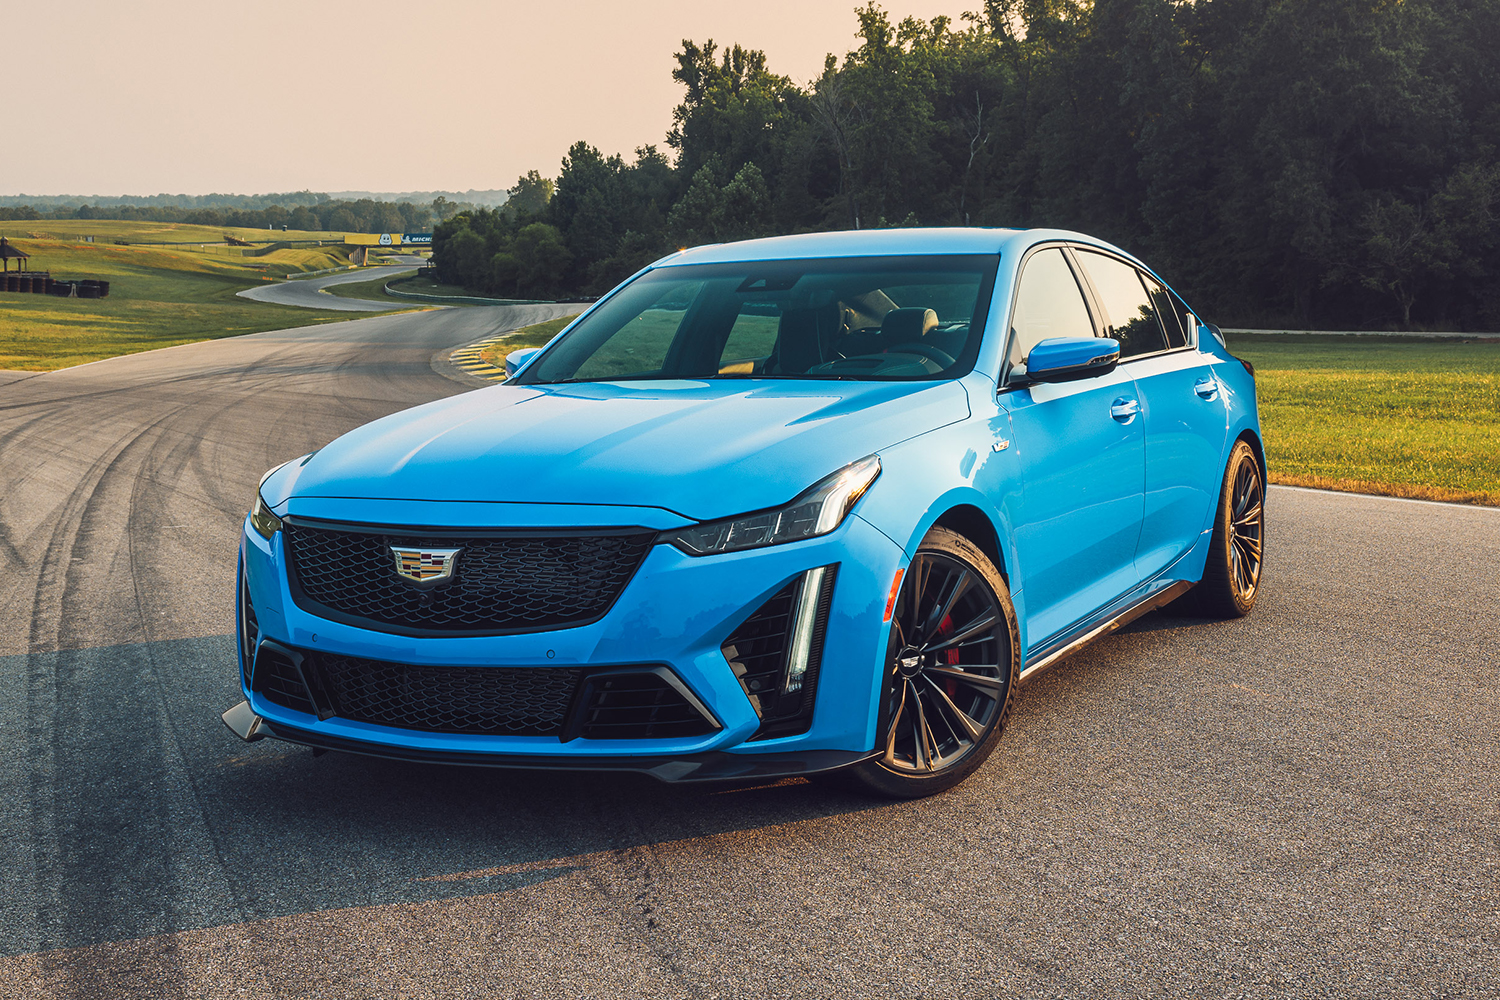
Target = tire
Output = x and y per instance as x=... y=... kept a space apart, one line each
x=1236 y=553
x=949 y=672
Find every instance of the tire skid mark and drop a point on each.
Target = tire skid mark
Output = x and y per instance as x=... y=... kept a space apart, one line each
x=80 y=726
x=628 y=878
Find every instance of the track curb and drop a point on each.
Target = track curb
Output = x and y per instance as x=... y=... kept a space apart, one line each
x=467 y=360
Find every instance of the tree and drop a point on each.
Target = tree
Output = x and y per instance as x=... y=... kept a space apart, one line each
x=530 y=196
x=343 y=221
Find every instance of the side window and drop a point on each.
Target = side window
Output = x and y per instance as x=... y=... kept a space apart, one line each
x=1128 y=310
x=1048 y=304
x=1169 y=311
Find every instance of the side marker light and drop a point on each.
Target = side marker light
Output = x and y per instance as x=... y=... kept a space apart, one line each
x=890 y=602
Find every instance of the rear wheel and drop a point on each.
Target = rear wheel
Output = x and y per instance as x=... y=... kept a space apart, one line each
x=1236 y=553
x=949 y=671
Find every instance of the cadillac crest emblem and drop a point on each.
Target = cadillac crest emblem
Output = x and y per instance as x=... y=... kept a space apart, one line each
x=427 y=567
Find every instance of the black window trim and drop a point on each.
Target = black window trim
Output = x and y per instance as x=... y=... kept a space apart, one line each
x=1085 y=290
x=1192 y=335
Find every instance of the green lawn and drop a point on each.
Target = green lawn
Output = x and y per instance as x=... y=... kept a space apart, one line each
x=159 y=297
x=1398 y=416
x=109 y=230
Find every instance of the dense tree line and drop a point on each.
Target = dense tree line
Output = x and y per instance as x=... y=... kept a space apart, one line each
x=363 y=215
x=1316 y=162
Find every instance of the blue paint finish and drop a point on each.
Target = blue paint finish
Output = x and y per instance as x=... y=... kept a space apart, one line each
x=1098 y=490
x=1070 y=356
x=1083 y=472
x=1185 y=433
x=640 y=444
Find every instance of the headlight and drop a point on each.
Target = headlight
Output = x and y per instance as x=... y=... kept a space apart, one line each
x=817 y=511
x=262 y=520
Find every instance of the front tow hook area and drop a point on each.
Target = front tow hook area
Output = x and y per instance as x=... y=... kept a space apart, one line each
x=244 y=723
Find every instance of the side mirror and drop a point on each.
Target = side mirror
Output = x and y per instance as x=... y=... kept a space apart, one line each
x=516 y=359
x=1067 y=359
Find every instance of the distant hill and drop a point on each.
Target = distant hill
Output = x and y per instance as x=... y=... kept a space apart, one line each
x=291 y=199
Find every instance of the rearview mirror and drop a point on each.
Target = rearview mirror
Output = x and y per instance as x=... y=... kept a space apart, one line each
x=515 y=359
x=1067 y=359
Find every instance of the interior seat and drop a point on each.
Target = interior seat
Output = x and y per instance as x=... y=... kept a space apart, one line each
x=906 y=326
x=804 y=339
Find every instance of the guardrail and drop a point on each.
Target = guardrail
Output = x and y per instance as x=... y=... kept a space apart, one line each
x=326 y=270
x=470 y=300
x=1369 y=333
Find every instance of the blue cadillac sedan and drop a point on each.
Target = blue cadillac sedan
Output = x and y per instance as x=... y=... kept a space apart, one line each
x=809 y=505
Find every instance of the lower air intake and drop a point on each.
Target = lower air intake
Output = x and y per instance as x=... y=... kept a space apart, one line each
x=493 y=701
x=639 y=706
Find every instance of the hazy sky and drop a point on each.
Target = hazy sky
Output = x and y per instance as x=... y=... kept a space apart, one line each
x=197 y=97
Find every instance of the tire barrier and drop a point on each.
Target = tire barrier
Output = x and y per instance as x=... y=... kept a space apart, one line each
x=42 y=283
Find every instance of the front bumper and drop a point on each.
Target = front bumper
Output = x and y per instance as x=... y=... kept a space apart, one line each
x=676 y=611
x=705 y=767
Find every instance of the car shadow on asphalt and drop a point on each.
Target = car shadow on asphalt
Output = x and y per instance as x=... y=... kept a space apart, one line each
x=146 y=815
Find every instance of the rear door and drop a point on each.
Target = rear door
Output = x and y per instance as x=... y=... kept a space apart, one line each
x=1182 y=405
x=1081 y=452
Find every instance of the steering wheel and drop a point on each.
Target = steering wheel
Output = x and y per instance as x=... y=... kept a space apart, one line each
x=937 y=357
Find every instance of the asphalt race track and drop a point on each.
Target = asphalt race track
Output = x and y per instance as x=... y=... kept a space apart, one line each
x=1301 y=803
x=308 y=292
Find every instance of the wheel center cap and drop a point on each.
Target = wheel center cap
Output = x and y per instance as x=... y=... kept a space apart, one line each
x=909 y=662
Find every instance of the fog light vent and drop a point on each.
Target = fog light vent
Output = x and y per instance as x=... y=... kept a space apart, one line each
x=777 y=651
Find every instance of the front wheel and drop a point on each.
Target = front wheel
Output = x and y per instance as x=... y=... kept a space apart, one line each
x=949 y=673
x=1236 y=553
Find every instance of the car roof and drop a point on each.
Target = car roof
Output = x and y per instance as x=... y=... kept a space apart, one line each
x=875 y=243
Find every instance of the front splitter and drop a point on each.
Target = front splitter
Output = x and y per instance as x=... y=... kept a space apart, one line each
x=713 y=766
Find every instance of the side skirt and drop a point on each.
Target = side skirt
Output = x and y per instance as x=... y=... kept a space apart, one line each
x=1113 y=620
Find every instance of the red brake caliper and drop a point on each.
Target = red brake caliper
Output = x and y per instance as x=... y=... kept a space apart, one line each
x=951 y=655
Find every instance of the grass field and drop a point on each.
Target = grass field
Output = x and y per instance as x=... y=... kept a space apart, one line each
x=107 y=231
x=159 y=296
x=1397 y=416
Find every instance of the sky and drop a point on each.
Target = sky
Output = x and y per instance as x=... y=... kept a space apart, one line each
x=196 y=97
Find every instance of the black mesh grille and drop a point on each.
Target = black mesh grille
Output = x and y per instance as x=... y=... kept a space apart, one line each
x=515 y=582
x=495 y=701
x=637 y=707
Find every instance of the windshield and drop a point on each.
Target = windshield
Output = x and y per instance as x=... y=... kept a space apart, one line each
x=839 y=318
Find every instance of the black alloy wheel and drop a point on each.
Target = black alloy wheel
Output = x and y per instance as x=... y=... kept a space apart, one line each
x=1236 y=553
x=949 y=671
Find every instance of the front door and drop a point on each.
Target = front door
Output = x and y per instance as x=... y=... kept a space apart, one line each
x=1080 y=448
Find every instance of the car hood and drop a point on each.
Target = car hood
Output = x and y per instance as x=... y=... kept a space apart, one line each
x=700 y=449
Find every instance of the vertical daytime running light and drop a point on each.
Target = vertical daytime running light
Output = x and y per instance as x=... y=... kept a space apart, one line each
x=802 y=629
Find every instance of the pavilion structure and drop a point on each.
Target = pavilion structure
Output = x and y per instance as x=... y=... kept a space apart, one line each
x=9 y=253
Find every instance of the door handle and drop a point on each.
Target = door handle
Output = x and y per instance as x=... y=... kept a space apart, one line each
x=1207 y=388
x=1124 y=410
